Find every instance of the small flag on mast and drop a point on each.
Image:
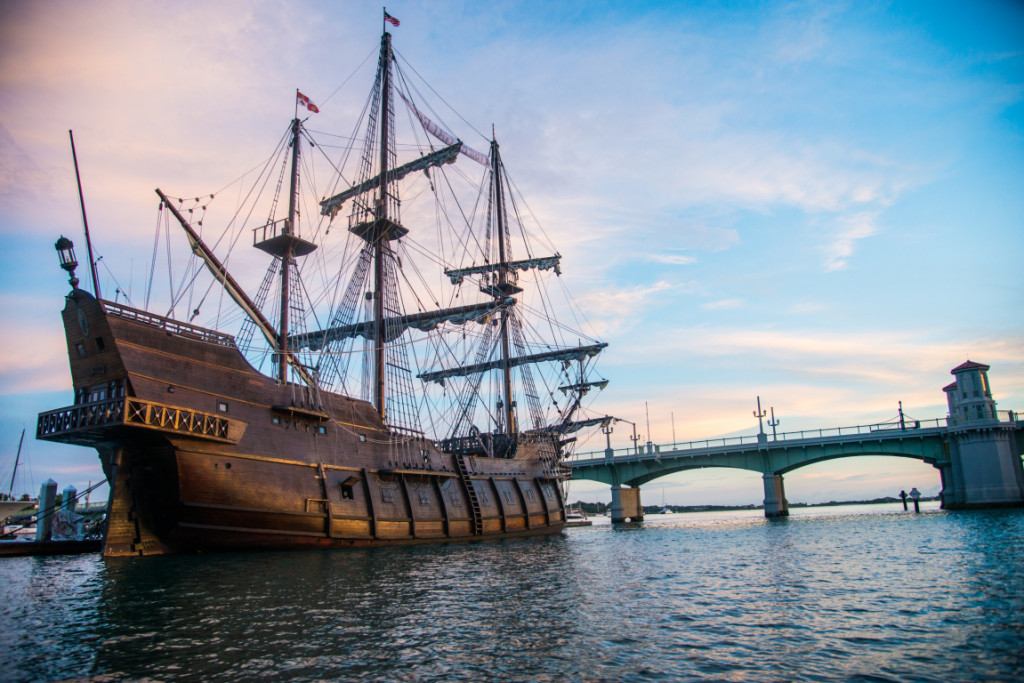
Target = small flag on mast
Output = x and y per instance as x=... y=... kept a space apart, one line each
x=391 y=20
x=304 y=101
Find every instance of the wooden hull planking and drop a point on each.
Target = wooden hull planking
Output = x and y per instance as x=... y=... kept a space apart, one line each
x=203 y=453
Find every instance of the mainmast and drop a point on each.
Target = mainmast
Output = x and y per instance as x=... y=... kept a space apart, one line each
x=506 y=289
x=286 y=258
x=380 y=245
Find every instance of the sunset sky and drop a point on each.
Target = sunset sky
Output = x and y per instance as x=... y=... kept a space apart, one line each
x=817 y=203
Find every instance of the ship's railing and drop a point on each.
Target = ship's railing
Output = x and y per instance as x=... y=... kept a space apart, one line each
x=149 y=414
x=169 y=324
x=268 y=231
x=80 y=416
x=134 y=412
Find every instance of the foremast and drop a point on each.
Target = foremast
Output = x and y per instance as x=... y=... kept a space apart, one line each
x=286 y=245
x=235 y=291
x=279 y=239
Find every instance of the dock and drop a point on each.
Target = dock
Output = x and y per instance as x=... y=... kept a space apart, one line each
x=26 y=548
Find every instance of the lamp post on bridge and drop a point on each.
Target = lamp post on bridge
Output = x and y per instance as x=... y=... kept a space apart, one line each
x=759 y=414
x=606 y=429
x=773 y=423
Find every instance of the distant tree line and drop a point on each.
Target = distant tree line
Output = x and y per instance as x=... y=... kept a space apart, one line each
x=602 y=508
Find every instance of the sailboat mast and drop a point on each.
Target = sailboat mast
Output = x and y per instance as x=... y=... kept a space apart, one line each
x=17 y=459
x=286 y=259
x=506 y=369
x=380 y=244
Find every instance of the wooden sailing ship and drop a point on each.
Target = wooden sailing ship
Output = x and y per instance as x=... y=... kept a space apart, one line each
x=204 y=451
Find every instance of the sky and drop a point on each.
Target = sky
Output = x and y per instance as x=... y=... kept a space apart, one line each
x=814 y=203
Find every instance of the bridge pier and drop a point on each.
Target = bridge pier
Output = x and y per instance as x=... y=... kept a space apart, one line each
x=984 y=463
x=986 y=472
x=775 y=503
x=626 y=506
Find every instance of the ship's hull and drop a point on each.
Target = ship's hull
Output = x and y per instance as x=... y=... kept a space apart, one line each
x=203 y=453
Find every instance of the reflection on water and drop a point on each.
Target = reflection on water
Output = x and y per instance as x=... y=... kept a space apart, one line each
x=830 y=593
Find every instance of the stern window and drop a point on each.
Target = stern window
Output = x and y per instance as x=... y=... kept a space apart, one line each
x=222 y=407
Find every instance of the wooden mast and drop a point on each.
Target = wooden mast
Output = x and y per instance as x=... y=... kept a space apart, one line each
x=380 y=243
x=85 y=221
x=287 y=257
x=508 y=410
x=17 y=459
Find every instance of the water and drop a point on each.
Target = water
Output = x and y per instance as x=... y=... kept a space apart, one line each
x=866 y=593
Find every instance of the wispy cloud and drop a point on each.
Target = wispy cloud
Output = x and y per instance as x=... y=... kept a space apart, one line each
x=672 y=259
x=850 y=229
x=722 y=304
x=624 y=301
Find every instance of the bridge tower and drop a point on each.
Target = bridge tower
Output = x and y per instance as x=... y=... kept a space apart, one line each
x=984 y=467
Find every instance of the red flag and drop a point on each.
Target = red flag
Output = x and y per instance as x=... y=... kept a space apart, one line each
x=304 y=101
x=391 y=20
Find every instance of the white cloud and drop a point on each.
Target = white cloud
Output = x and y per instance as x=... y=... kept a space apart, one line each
x=722 y=304
x=851 y=229
x=620 y=302
x=672 y=259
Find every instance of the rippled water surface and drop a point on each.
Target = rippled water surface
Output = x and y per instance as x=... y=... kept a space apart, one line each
x=848 y=593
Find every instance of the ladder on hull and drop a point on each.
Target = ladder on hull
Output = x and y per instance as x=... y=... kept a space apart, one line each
x=474 y=501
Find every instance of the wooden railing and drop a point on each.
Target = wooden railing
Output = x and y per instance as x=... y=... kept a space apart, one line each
x=134 y=412
x=169 y=324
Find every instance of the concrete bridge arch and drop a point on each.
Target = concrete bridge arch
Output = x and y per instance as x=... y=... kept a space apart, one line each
x=976 y=449
x=771 y=459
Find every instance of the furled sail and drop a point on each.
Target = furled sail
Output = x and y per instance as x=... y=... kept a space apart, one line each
x=331 y=205
x=395 y=326
x=576 y=353
x=583 y=387
x=570 y=426
x=543 y=263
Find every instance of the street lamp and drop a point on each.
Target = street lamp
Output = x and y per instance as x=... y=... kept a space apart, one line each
x=66 y=252
x=773 y=423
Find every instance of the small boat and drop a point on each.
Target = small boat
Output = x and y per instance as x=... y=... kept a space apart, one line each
x=9 y=507
x=575 y=516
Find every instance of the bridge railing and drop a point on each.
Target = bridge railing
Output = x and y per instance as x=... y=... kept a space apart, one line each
x=909 y=426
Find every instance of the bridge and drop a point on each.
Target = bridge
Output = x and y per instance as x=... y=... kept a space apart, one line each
x=976 y=449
